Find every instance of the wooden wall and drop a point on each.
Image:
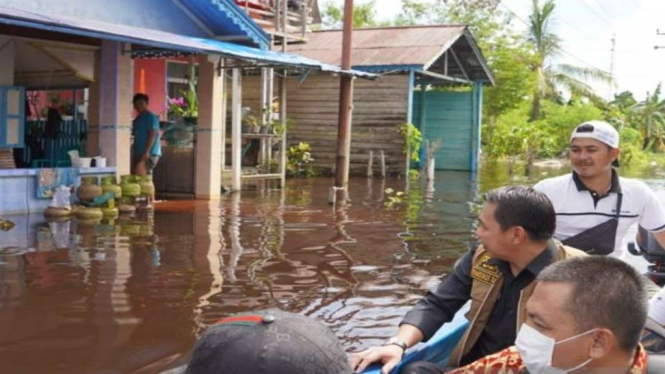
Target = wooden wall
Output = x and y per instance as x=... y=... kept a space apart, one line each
x=379 y=108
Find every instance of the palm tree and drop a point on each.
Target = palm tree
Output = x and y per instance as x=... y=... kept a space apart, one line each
x=552 y=78
x=650 y=119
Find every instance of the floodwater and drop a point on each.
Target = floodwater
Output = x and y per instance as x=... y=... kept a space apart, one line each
x=131 y=296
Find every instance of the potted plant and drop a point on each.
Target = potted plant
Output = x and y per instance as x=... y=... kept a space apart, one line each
x=250 y=122
x=67 y=110
x=185 y=106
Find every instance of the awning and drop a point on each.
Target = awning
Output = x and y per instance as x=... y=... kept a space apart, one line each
x=164 y=40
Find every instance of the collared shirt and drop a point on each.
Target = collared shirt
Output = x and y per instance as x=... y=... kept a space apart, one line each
x=579 y=209
x=440 y=305
x=509 y=361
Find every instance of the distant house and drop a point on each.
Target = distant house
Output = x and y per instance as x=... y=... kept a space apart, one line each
x=409 y=58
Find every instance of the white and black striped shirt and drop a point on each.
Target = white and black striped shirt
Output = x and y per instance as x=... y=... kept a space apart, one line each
x=578 y=209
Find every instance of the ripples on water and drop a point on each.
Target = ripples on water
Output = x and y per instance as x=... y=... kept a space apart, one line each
x=132 y=295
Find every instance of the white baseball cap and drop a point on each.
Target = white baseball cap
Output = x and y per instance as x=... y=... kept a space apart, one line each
x=599 y=130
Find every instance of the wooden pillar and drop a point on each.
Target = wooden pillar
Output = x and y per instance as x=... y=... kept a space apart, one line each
x=236 y=128
x=225 y=97
x=208 y=182
x=282 y=118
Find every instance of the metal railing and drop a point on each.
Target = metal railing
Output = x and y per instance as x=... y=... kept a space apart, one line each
x=269 y=15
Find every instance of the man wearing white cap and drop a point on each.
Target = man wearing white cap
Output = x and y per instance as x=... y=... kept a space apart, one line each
x=594 y=206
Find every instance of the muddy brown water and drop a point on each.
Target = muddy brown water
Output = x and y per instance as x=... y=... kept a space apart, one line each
x=131 y=296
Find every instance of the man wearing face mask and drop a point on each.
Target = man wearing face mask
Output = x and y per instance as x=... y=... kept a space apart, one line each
x=515 y=229
x=586 y=315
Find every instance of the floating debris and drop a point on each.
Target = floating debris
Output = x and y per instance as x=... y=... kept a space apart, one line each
x=6 y=225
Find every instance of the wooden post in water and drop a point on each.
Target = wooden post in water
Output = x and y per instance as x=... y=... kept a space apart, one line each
x=236 y=124
x=383 y=164
x=345 y=102
x=370 y=172
x=430 y=160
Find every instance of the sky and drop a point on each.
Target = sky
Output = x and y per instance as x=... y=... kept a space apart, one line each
x=586 y=28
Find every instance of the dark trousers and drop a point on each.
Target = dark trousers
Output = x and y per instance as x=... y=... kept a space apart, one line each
x=423 y=367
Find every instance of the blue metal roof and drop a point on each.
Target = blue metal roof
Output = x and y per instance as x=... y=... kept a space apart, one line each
x=198 y=18
x=163 y=40
x=224 y=17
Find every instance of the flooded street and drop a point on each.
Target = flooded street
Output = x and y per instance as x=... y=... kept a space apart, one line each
x=132 y=295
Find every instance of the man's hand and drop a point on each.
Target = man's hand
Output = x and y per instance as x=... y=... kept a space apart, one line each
x=144 y=157
x=388 y=355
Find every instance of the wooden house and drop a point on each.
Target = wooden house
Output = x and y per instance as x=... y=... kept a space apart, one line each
x=436 y=58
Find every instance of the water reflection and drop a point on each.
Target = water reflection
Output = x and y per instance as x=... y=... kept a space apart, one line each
x=132 y=295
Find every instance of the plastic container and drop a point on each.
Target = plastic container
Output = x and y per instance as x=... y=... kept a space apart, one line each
x=100 y=162
x=89 y=189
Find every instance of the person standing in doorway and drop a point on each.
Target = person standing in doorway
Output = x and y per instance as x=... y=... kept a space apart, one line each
x=147 y=148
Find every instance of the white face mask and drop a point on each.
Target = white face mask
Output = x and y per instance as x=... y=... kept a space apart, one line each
x=537 y=351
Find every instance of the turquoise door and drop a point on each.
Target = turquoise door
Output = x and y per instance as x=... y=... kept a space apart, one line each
x=453 y=118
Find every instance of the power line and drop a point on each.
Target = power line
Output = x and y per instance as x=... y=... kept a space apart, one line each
x=598 y=15
x=607 y=12
x=558 y=47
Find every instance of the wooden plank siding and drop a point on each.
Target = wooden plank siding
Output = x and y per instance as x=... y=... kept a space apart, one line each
x=379 y=108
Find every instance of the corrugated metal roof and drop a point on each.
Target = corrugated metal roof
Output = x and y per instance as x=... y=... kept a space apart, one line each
x=197 y=18
x=160 y=39
x=398 y=46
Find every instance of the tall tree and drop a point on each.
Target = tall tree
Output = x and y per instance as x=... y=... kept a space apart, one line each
x=364 y=15
x=551 y=78
x=650 y=119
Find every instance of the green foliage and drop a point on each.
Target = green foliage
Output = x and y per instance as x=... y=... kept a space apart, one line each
x=648 y=117
x=187 y=105
x=364 y=15
x=413 y=138
x=298 y=159
x=514 y=133
x=510 y=60
x=631 y=141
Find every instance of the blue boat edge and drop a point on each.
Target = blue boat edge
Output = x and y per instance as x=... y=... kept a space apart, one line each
x=437 y=349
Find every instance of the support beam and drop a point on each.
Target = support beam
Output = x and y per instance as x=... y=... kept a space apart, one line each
x=444 y=78
x=459 y=64
x=208 y=182
x=236 y=128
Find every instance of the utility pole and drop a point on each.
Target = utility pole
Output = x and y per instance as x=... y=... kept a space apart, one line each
x=611 y=83
x=345 y=102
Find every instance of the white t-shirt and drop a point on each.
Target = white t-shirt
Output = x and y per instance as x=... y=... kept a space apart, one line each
x=577 y=210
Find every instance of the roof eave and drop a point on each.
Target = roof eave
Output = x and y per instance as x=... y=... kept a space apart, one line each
x=388 y=68
x=244 y=21
x=444 y=49
x=481 y=58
